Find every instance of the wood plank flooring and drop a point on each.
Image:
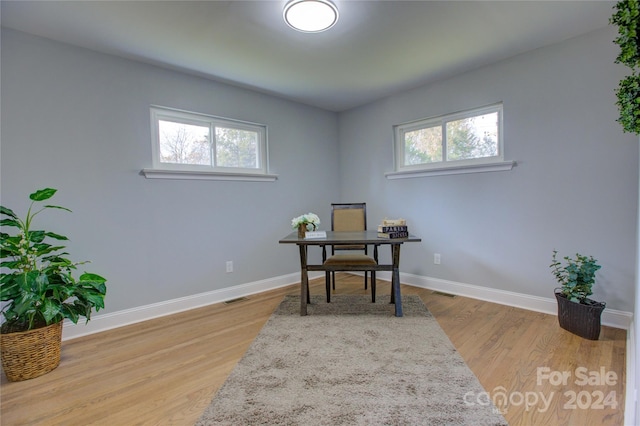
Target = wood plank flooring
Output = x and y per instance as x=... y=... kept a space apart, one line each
x=165 y=371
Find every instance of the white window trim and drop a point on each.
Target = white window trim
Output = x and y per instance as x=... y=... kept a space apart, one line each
x=206 y=175
x=449 y=169
x=160 y=170
x=475 y=165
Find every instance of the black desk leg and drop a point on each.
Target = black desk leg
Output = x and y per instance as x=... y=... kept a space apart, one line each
x=395 y=278
x=304 y=281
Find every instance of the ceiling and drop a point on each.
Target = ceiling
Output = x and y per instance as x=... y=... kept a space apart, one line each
x=377 y=47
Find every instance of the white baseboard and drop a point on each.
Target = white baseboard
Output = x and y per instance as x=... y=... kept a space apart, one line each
x=547 y=305
x=103 y=322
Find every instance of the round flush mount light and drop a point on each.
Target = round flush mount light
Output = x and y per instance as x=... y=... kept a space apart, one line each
x=310 y=16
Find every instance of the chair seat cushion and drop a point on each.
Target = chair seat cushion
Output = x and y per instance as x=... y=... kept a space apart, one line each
x=350 y=259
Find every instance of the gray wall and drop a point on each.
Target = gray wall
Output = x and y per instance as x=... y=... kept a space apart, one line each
x=634 y=371
x=79 y=121
x=575 y=187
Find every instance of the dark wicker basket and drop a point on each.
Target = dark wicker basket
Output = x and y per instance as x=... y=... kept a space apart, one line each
x=579 y=318
x=32 y=353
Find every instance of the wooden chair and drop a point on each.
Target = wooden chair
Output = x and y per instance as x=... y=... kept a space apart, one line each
x=347 y=217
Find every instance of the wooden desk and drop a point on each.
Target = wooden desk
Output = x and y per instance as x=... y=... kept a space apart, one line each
x=349 y=238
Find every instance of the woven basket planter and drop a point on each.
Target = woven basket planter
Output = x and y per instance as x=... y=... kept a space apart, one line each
x=32 y=353
x=578 y=318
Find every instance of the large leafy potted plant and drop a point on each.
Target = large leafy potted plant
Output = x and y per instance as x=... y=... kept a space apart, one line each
x=39 y=291
x=576 y=312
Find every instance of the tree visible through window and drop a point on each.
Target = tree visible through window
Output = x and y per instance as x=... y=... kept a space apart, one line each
x=190 y=141
x=236 y=148
x=184 y=143
x=473 y=137
x=423 y=146
x=469 y=137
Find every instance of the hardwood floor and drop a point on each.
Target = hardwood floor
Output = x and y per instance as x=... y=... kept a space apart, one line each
x=165 y=371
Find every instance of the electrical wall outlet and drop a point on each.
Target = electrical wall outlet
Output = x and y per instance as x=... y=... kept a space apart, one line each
x=436 y=258
x=229 y=266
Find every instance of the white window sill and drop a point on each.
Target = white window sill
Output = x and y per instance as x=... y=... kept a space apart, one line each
x=452 y=170
x=206 y=175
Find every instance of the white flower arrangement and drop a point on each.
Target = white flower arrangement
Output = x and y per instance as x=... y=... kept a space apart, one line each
x=310 y=220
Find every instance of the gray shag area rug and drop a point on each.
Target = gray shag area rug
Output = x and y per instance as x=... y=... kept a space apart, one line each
x=350 y=362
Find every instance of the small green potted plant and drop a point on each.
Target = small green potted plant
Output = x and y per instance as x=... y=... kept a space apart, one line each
x=576 y=312
x=39 y=291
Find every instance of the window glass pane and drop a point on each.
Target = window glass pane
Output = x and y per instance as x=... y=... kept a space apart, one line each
x=236 y=148
x=473 y=137
x=184 y=143
x=423 y=146
x=199 y=143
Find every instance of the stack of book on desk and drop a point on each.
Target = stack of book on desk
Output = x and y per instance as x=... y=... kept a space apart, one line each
x=393 y=228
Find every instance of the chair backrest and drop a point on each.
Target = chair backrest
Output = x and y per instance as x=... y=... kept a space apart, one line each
x=349 y=217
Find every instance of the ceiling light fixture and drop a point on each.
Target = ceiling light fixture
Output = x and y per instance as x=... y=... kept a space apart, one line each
x=310 y=16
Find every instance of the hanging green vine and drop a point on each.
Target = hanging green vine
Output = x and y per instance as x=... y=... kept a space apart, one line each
x=627 y=18
x=628 y=94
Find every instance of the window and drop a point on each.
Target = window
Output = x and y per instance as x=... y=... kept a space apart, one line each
x=463 y=142
x=189 y=145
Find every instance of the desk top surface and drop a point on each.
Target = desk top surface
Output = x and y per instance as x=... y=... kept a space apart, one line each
x=337 y=238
